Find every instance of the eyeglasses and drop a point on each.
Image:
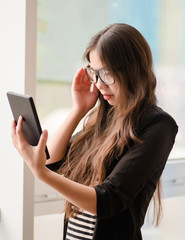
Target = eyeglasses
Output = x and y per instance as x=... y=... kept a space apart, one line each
x=104 y=75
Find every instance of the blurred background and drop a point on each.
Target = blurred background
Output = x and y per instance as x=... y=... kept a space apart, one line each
x=64 y=30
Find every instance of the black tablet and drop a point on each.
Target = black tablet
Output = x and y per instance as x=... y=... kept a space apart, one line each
x=23 y=105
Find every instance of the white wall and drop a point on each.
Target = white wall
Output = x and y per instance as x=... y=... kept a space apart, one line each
x=17 y=73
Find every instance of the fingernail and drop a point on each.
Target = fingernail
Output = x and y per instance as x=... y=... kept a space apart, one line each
x=44 y=132
x=92 y=87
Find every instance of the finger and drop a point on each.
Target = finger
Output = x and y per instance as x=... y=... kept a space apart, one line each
x=13 y=132
x=94 y=90
x=19 y=132
x=13 y=128
x=76 y=80
x=43 y=140
x=83 y=78
x=78 y=75
x=86 y=79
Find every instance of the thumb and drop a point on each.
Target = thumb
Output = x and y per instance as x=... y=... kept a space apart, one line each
x=43 y=139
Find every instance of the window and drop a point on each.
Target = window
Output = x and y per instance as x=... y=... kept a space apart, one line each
x=64 y=29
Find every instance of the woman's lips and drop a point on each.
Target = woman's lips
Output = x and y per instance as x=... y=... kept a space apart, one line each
x=107 y=96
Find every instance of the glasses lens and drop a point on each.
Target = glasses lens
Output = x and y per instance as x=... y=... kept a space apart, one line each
x=106 y=76
x=91 y=74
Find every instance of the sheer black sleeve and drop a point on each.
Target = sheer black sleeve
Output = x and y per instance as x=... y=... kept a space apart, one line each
x=139 y=169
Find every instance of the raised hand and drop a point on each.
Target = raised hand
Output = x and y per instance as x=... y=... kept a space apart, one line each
x=83 y=98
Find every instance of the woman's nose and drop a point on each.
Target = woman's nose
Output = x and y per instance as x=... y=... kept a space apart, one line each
x=100 y=84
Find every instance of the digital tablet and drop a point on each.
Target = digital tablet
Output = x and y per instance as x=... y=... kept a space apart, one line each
x=23 y=105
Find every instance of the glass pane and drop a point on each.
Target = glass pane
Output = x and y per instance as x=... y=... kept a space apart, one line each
x=64 y=29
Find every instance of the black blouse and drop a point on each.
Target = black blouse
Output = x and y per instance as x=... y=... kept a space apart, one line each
x=124 y=196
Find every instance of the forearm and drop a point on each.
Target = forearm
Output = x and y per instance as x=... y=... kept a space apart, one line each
x=58 y=143
x=80 y=195
x=83 y=101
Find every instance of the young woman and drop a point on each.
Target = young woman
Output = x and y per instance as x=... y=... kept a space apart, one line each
x=110 y=170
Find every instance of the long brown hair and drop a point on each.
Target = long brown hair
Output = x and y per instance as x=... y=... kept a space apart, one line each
x=108 y=129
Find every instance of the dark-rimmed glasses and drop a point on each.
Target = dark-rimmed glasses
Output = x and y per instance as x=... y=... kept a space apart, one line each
x=102 y=74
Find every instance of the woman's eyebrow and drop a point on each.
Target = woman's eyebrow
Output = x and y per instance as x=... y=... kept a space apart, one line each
x=96 y=69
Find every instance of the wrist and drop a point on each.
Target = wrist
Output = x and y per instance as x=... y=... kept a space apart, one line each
x=41 y=173
x=78 y=113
